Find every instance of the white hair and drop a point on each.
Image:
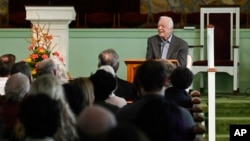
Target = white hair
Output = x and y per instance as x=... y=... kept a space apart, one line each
x=17 y=86
x=61 y=70
x=170 y=21
x=107 y=68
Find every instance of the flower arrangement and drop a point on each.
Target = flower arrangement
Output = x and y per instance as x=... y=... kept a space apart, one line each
x=40 y=47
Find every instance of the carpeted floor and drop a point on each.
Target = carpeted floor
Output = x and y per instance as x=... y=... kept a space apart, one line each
x=230 y=109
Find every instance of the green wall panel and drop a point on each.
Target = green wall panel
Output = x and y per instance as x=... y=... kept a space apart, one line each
x=86 y=44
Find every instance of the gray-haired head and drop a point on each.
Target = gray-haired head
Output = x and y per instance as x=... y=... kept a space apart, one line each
x=47 y=84
x=17 y=86
x=46 y=66
x=109 y=57
x=169 y=19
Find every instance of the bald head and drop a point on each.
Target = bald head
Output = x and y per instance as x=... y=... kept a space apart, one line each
x=95 y=120
x=109 y=57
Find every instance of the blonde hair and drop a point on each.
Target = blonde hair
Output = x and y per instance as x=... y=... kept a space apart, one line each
x=170 y=68
x=87 y=88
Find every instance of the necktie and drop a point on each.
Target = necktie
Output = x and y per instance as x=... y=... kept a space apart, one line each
x=165 y=47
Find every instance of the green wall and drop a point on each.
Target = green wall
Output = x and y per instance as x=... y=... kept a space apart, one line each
x=85 y=45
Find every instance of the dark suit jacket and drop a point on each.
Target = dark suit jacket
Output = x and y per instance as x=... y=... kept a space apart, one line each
x=178 y=49
x=180 y=97
x=128 y=113
x=125 y=90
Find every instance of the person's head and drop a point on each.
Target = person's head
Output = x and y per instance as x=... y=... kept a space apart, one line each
x=87 y=88
x=47 y=84
x=109 y=57
x=53 y=66
x=50 y=85
x=40 y=116
x=5 y=67
x=22 y=67
x=170 y=68
x=165 y=27
x=46 y=66
x=75 y=97
x=181 y=78
x=95 y=120
x=104 y=84
x=9 y=58
x=151 y=77
x=61 y=70
x=16 y=87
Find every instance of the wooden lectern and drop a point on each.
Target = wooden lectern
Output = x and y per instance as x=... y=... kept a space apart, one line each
x=132 y=64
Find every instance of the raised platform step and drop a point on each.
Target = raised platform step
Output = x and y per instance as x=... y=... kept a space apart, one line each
x=223 y=123
x=223 y=137
x=230 y=106
x=230 y=109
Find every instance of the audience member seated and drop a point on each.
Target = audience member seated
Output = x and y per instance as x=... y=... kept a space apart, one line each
x=50 y=85
x=151 y=79
x=5 y=67
x=170 y=68
x=75 y=97
x=162 y=120
x=9 y=58
x=126 y=132
x=104 y=84
x=94 y=122
x=79 y=93
x=22 y=67
x=181 y=78
x=40 y=117
x=87 y=88
x=61 y=71
x=124 y=89
x=113 y=99
x=17 y=86
x=53 y=66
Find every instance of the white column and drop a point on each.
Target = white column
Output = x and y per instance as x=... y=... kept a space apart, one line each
x=211 y=84
x=210 y=46
x=57 y=19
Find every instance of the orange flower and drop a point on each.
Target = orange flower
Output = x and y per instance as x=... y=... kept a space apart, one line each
x=56 y=54
x=31 y=47
x=40 y=49
x=49 y=37
x=44 y=56
x=33 y=56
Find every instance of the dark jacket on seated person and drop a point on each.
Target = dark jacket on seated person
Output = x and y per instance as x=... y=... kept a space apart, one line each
x=125 y=90
x=180 y=97
x=181 y=78
x=129 y=112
